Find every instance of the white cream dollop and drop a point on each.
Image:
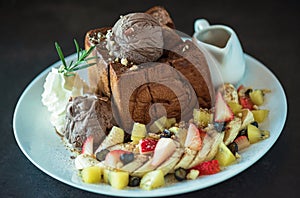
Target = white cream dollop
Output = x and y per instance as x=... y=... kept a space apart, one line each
x=58 y=89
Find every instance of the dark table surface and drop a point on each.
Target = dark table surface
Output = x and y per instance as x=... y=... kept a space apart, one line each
x=268 y=31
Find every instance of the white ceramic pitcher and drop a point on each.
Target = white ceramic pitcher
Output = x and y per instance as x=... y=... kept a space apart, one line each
x=226 y=57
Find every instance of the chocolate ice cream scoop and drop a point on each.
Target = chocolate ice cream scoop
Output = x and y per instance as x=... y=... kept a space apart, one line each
x=136 y=37
x=88 y=115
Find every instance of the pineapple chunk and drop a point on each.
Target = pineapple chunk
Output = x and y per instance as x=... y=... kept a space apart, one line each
x=260 y=115
x=138 y=132
x=118 y=179
x=170 y=122
x=202 y=117
x=91 y=174
x=106 y=173
x=255 y=134
x=224 y=155
x=153 y=179
x=235 y=107
x=257 y=97
x=159 y=125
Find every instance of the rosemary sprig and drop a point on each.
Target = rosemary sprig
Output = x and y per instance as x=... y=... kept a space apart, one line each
x=80 y=63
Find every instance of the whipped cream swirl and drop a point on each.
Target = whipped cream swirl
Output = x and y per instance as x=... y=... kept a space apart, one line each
x=58 y=89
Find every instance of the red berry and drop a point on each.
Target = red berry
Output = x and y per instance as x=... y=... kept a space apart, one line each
x=242 y=142
x=147 y=145
x=246 y=102
x=208 y=167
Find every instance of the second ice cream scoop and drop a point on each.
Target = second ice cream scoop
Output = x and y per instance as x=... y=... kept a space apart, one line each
x=136 y=37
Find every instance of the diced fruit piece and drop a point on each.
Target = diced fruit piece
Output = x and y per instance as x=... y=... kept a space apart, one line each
x=153 y=179
x=222 y=111
x=84 y=160
x=246 y=102
x=106 y=173
x=257 y=97
x=174 y=130
x=170 y=122
x=92 y=174
x=247 y=118
x=134 y=181
x=138 y=132
x=87 y=147
x=242 y=142
x=208 y=167
x=147 y=146
x=126 y=158
x=193 y=139
x=118 y=179
x=164 y=149
x=102 y=154
x=260 y=115
x=193 y=174
x=255 y=134
x=159 y=125
x=235 y=107
x=113 y=159
x=224 y=155
x=202 y=117
x=180 y=174
x=115 y=136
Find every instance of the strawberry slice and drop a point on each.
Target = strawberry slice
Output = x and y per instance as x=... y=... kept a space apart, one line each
x=246 y=102
x=164 y=149
x=87 y=147
x=222 y=111
x=208 y=167
x=242 y=142
x=193 y=138
x=147 y=146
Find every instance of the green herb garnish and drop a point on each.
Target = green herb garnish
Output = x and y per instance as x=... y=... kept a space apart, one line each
x=80 y=63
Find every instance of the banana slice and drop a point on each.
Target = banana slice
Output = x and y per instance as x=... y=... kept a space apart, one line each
x=135 y=164
x=84 y=160
x=147 y=167
x=200 y=157
x=232 y=130
x=169 y=164
x=186 y=159
x=218 y=138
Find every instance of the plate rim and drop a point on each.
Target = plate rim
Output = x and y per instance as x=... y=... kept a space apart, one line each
x=124 y=193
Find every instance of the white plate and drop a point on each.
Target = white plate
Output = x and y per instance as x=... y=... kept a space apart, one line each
x=44 y=148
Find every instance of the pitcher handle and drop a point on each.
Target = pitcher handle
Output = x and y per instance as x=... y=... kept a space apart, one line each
x=200 y=24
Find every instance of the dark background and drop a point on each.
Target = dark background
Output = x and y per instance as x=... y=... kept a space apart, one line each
x=268 y=31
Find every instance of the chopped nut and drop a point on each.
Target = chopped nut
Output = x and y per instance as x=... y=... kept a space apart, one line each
x=117 y=59
x=124 y=61
x=134 y=67
x=193 y=174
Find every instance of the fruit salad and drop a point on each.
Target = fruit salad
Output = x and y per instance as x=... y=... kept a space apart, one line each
x=210 y=141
